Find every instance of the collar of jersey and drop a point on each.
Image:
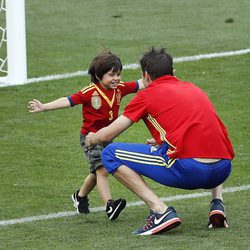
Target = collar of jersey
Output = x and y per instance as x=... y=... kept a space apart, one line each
x=163 y=79
x=110 y=102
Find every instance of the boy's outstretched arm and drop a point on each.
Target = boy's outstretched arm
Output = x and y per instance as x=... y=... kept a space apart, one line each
x=36 y=106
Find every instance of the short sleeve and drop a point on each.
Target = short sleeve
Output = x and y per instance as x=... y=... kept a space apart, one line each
x=129 y=87
x=136 y=109
x=77 y=98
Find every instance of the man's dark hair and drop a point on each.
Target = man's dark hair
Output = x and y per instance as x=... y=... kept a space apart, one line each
x=157 y=62
x=102 y=64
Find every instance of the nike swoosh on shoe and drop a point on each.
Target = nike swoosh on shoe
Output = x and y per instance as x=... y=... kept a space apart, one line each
x=157 y=221
x=110 y=210
x=115 y=210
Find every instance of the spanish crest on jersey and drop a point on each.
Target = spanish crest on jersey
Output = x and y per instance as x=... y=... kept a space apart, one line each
x=96 y=101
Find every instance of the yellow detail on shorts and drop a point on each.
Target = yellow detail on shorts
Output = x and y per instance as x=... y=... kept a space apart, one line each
x=171 y=162
x=142 y=158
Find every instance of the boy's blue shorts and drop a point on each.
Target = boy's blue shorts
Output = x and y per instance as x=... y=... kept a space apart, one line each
x=153 y=163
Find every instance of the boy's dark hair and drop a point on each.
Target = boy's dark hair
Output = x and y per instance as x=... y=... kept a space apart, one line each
x=102 y=64
x=157 y=62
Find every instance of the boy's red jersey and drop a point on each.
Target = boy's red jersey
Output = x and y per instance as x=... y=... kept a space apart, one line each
x=100 y=107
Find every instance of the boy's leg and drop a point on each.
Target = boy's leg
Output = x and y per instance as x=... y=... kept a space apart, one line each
x=102 y=184
x=113 y=207
x=93 y=156
x=88 y=185
x=80 y=197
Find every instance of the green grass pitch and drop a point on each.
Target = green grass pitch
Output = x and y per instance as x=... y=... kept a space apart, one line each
x=40 y=157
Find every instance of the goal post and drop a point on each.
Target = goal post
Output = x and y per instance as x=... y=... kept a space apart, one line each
x=16 y=72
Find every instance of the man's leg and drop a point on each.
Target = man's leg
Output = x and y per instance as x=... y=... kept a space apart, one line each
x=127 y=162
x=161 y=218
x=217 y=192
x=136 y=184
x=217 y=214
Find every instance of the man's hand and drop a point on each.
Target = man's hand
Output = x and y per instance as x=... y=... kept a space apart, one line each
x=151 y=142
x=35 y=106
x=88 y=142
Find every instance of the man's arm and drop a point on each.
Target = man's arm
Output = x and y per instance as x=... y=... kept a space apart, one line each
x=110 y=132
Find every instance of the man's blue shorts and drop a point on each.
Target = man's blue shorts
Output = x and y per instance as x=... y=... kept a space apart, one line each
x=153 y=162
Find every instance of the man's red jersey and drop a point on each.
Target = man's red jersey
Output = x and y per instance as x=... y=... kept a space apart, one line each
x=182 y=115
x=100 y=106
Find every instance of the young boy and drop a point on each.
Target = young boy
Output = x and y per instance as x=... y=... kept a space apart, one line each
x=100 y=104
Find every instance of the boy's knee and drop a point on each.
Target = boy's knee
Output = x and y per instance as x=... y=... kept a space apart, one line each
x=101 y=171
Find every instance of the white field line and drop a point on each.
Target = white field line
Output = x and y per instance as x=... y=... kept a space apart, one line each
x=136 y=65
x=133 y=66
x=130 y=204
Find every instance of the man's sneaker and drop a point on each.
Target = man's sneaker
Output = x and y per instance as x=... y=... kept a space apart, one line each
x=114 y=208
x=159 y=223
x=217 y=214
x=80 y=203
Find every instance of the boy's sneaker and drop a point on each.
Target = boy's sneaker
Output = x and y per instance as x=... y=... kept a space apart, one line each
x=159 y=223
x=114 y=208
x=80 y=203
x=217 y=214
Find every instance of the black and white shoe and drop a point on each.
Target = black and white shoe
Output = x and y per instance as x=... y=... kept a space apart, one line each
x=80 y=203
x=114 y=208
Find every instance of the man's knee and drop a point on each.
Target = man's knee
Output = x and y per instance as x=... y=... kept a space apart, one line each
x=108 y=151
x=109 y=160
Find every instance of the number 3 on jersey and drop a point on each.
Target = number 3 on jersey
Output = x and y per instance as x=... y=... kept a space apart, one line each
x=110 y=115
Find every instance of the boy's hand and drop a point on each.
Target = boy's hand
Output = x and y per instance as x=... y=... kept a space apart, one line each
x=35 y=106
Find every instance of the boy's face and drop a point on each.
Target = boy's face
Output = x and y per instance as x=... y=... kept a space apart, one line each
x=110 y=79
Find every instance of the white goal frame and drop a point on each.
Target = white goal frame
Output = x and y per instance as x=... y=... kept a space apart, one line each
x=16 y=43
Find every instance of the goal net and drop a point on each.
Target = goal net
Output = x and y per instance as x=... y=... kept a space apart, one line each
x=3 y=47
x=13 y=62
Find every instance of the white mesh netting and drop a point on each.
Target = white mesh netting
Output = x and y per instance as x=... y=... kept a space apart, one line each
x=3 y=40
